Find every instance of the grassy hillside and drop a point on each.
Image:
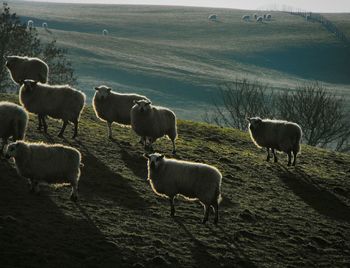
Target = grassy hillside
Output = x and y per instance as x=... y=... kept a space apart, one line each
x=271 y=215
x=178 y=58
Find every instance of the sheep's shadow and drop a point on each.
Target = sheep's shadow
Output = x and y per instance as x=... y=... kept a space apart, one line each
x=98 y=180
x=135 y=162
x=320 y=199
x=35 y=232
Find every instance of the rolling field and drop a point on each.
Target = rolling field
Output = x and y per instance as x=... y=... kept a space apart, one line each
x=271 y=215
x=178 y=58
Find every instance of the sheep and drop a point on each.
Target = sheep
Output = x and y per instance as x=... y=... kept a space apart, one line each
x=213 y=17
x=259 y=19
x=59 y=102
x=110 y=106
x=50 y=163
x=105 y=32
x=14 y=121
x=194 y=181
x=30 y=24
x=245 y=17
x=268 y=17
x=152 y=122
x=276 y=134
x=44 y=25
x=22 y=68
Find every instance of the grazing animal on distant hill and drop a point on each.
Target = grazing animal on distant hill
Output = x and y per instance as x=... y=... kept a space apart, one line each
x=13 y=122
x=276 y=134
x=194 y=181
x=213 y=17
x=59 y=102
x=50 y=163
x=246 y=17
x=268 y=17
x=22 y=68
x=259 y=19
x=153 y=122
x=105 y=32
x=30 y=24
x=115 y=107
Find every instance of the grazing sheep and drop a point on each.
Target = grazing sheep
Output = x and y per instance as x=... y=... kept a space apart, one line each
x=30 y=24
x=276 y=134
x=112 y=107
x=105 y=32
x=13 y=122
x=22 y=68
x=60 y=102
x=213 y=17
x=268 y=17
x=44 y=25
x=171 y=177
x=259 y=19
x=152 y=122
x=50 y=163
x=246 y=17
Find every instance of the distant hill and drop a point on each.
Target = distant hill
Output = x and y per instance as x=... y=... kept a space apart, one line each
x=271 y=215
x=178 y=58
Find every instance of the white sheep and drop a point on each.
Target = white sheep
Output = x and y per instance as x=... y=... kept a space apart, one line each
x=105 y=32
x=50 y=163
x=59 y=102
x=213 y=17
x=245 y=17
x=22 y=68
x=13 y=122
x=276 y=135
x=110 y=106
x=30 y=24
x=44 y=25
x=153 y=122
x=268 y=17
x=194 y=181
x=259 y=19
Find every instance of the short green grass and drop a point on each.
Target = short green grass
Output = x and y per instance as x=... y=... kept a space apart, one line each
x=271 y=215
x=178 y=58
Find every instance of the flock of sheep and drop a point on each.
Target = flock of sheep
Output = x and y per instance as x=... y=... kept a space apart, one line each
x=56 y=163
x=257 y=18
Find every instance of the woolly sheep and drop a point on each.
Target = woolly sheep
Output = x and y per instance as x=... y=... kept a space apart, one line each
x=50 y=163
x=30 y=24
x=194 y=181
x=13 y=122
x=268 y=16
x=112 y=107
x=276 y=134
x=105 y=32
x=246 y=17
x=213 y=17
x=59 y=102
x=22 y=68
x=152 y=122
x=44 y=25
x=259 y=19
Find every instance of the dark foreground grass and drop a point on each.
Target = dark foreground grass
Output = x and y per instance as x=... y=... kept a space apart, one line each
x=271 y=215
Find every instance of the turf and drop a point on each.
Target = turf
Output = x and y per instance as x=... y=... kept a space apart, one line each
x=271 y=215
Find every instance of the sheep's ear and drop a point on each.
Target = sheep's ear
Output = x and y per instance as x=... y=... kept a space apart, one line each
x=97 y=88
x=160 y=157
x=109 y=89
x=147 y=156
x=149 y=102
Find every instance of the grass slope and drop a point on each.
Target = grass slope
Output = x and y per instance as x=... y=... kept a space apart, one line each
x=271 y=215
x=178 y=58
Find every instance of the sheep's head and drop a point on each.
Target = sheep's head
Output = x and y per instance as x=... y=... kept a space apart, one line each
x=11 y=61
x=143 y=105
x=154 y=160
x=103 y=92
x=254 y=122
x=29 y=84
x=12 y=149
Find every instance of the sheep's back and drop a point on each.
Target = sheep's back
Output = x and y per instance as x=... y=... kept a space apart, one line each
x=8 y=113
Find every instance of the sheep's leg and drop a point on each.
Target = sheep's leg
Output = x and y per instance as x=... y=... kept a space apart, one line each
x=206 y=214
x=109 y=125
x=274 y=156
x=289 y=158
x=216 y=208
x=44 y=123
x=74 y=194
x=174 y=146
x=64 y=125
x=40 y=122
x=268 y=154
x=75 y=122
x=295 y=157
x=172 y=208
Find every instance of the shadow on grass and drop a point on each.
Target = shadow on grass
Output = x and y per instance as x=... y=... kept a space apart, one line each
x=321 y=200
x=35 y=232
x=135 y=162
